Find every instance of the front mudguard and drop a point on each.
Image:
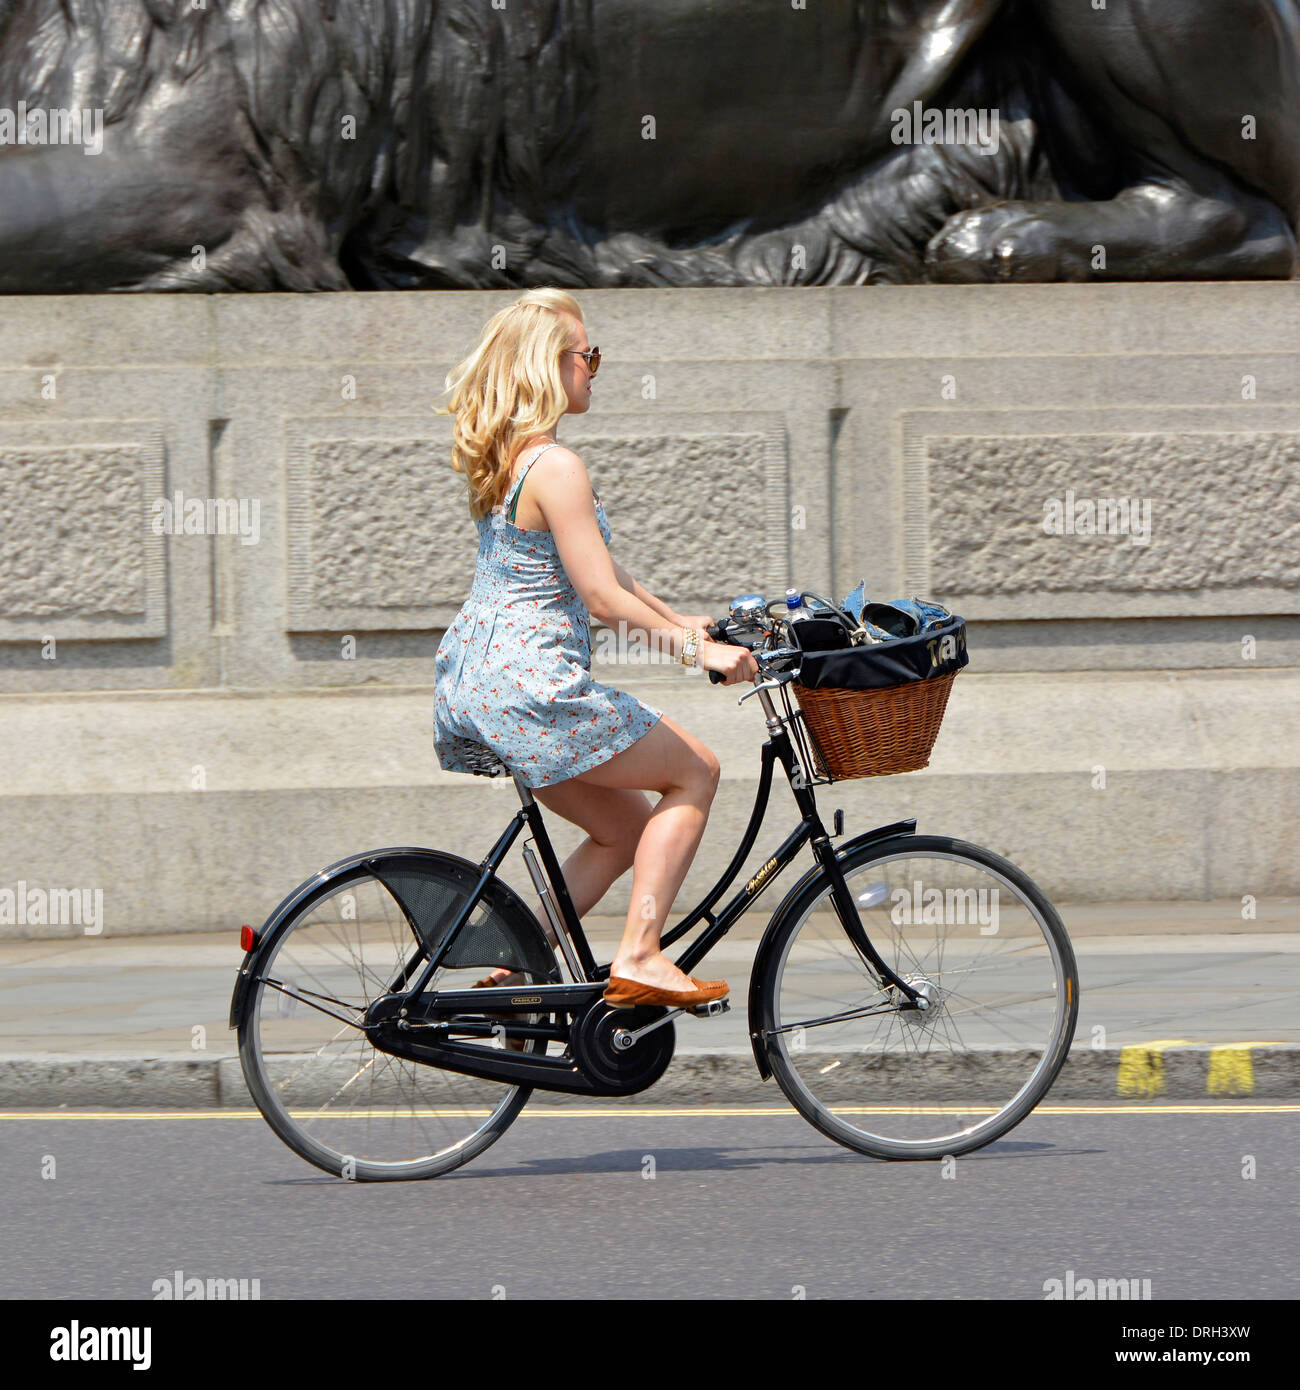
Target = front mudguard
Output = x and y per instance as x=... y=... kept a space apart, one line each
x=790 y=906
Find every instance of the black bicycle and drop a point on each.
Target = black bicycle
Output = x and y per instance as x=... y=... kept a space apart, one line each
x=914 y=996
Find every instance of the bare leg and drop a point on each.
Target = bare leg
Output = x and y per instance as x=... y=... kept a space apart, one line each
x=660 y=843
x=664 y=855
x=614 y=820
x=588 y=874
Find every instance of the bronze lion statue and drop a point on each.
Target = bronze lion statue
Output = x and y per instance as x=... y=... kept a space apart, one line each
x=435 y=144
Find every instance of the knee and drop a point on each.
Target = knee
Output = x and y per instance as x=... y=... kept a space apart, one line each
x=695 y=772
x=622 y=833
x=710 y=773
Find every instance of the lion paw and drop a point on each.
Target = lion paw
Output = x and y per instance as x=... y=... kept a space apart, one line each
x=1008 y=242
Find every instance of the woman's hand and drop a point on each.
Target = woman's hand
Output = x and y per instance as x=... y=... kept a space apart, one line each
x=735 y=664
x=701 y=625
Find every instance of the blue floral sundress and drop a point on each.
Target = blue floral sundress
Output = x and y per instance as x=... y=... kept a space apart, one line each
x=513 y=670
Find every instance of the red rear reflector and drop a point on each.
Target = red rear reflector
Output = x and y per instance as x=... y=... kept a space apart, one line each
x=247 y=938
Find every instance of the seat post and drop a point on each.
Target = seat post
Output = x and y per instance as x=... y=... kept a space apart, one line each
x=553 y=922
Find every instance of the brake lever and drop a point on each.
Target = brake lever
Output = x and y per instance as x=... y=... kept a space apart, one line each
x=766 y=685
x=777 y=681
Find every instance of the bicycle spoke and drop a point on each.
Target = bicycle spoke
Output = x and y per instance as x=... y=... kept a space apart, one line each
x=993 y=1028
x=303 y=999
x=316 y=1073
x=834 y=1018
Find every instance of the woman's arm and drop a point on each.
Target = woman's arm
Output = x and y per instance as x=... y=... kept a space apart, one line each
x=562 y=491
x=646 y=597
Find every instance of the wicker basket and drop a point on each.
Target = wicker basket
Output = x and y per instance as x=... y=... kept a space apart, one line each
x=872 y=733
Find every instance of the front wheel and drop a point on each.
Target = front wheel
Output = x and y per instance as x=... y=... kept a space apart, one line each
x=992 y=963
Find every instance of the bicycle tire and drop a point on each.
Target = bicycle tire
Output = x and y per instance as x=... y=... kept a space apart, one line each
x=905 y=1085
x=317 y=935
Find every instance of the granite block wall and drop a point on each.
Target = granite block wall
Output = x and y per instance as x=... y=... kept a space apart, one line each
x=231 y=530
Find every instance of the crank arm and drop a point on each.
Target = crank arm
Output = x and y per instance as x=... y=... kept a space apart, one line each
x=623 y=1039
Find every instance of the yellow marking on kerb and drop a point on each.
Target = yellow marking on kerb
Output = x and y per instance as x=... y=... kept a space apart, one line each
x=1232 y=1069
x=1142 y=1067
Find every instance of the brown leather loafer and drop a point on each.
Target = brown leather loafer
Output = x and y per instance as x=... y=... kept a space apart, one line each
x=622 y=993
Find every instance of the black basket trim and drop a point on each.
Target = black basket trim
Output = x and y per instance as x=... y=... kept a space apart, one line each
x=878 y=666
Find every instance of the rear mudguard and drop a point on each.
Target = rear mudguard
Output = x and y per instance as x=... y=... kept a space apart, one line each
x=790 y=905
x=502 y=897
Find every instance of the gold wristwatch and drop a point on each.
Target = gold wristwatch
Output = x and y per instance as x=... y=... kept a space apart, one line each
x=690 y=646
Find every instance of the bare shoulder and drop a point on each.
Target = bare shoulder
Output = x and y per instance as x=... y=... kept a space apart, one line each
x=559 y=476
x=559 y=461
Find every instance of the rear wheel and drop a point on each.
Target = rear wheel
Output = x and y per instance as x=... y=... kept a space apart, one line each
x=322 y=1086
x=992 y=961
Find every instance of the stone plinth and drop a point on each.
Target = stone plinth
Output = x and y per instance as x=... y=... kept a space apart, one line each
x=233 y=541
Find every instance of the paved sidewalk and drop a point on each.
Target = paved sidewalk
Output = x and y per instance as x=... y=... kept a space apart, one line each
x=1176 y=1000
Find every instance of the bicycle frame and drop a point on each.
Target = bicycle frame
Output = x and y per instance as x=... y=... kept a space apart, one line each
x=610 y=1052
x=407 y=998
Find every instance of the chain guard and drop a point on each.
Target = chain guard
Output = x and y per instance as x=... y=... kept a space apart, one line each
x=621 y=1073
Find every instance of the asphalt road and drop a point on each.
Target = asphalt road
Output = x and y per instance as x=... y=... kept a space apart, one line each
x=745 y=1205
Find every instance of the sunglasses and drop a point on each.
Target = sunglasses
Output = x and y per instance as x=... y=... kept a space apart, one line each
x=591 y=357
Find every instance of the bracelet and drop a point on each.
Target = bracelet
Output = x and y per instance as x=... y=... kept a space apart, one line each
x=690 y=647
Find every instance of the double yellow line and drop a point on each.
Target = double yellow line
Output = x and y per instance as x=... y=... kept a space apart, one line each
x=613 y=1112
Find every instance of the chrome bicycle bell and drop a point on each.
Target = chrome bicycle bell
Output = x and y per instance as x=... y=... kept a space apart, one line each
x=750 y=610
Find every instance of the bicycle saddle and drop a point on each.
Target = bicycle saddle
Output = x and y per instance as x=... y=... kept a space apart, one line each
x=485 y=763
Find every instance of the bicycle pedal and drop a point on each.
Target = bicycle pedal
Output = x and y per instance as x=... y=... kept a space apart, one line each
x=710 y=1010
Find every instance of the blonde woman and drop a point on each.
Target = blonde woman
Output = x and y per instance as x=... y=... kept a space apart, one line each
x=513 y=671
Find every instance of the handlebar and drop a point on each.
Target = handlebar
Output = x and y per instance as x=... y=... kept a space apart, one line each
x=719 y=632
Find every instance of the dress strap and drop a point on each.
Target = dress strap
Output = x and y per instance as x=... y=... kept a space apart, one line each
x=523 y=472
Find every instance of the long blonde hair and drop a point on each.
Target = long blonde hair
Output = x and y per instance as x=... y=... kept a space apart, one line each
x=508 y=389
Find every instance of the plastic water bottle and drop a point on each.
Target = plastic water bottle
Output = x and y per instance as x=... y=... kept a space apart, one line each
x=795 y=611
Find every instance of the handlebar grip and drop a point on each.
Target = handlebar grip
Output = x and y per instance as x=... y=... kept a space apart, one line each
x=715 y=633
